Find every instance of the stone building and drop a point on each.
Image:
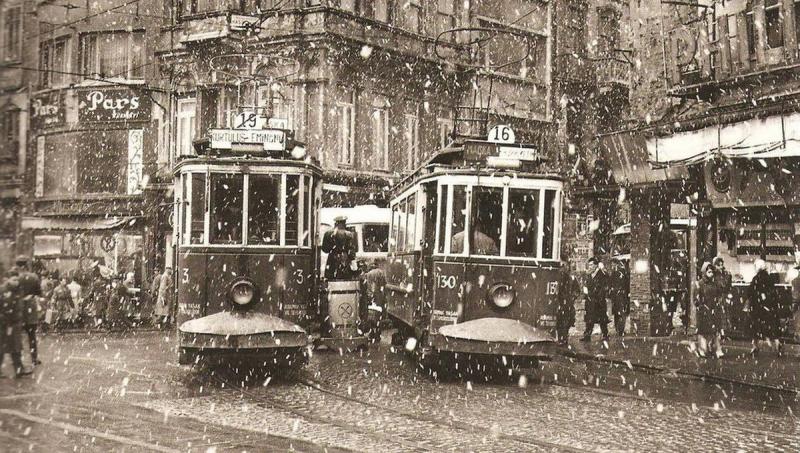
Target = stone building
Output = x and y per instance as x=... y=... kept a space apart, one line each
x=712 y=129
x=94 y=107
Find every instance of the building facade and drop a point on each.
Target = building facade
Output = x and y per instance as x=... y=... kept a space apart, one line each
x=712 y=128
x=94 y=114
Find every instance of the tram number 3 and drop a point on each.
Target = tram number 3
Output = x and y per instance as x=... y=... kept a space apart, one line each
x=185 y=275
x=298 y=276
x=551 y=289
x=447 y=281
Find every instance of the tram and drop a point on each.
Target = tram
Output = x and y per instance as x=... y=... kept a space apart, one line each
x=247 y=257
x=472 y=274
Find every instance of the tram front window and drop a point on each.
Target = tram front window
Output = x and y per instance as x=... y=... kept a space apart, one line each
x=198 y=210
x=487 y=220
x=227 y=202
x=264 y=210
x=523 y=224
x=292 y=208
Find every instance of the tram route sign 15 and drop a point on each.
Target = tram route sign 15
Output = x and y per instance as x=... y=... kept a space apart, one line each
x=271 y=139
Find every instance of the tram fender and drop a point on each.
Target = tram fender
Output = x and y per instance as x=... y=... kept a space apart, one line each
x=233 y=323
x=496 y=330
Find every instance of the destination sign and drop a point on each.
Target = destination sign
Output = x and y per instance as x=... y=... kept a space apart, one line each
x=270 y=139
x=512 y=152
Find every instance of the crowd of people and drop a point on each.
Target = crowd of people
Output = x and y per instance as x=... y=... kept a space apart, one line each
x=709 y=312
x=49 y=300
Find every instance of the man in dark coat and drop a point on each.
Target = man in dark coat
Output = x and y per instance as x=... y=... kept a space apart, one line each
x=340 y=245
x=30 y=292
x=596 y=291
x=569 y=290
x=620 y=295
x=11 y=320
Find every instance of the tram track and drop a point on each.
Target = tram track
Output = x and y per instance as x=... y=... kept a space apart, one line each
x=526 y=443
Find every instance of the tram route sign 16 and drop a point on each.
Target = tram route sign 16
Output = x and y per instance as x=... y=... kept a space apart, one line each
x=271 y=139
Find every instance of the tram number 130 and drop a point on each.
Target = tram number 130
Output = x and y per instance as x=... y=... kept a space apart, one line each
x=447 y=281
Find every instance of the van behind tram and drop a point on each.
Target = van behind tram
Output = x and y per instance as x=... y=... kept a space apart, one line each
x=474 y=260
x=369 y=223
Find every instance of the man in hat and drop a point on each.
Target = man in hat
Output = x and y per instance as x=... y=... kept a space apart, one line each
x=340 y=245
x=30 y=292
x=11 y=320
x=595 y=293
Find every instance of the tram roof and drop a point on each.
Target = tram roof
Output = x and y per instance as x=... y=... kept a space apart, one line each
x=233 y=161
x=474 y=157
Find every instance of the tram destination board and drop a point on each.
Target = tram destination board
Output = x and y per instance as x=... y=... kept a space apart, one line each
x=267 y=139
x=479 y=151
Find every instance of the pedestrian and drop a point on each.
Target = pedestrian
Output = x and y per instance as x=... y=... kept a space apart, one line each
x=373 y=301
x=99 y=295
x=61 y=304
x=340 y=245
x=151 y=297
x=620 y=295
x=595 y=293
x=115 y=311
x=763 y=301
x=569 y=290
x=163 y=310
x=30 y=291
x=710 y=313
x=725 y=282
x=76 y=293
x=11 y=322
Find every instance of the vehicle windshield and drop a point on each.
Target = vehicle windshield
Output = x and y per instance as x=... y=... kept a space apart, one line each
x=376 y=238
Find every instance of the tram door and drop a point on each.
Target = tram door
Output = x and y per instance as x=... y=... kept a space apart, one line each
x=449 y=266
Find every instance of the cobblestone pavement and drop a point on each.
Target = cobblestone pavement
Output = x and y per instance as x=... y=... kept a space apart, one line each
x=125 y=393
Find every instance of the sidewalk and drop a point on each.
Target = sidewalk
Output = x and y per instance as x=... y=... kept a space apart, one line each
x=672 y=354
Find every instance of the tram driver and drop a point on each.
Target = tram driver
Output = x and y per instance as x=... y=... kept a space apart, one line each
x=340 y=245
x=481 y=243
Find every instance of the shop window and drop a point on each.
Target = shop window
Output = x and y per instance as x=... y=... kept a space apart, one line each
x=774 y=23
x=47 y=245
x=112 y=55
x=412 y=141
x=54 y=62
x=103 y=162
x=227 y=199
x=263 y=208
x=185 y=126
x=380 y=137
x=458 y=222
x=523 y=223
x=12 y=33
x=346 y=130
x=487 y=221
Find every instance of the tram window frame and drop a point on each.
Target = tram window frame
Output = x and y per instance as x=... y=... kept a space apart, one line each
x=519 y=252
x=191 y=207
x=411 y=222
x=274 y=180
x=463 y=217
x=214 y=207
x=475 y=211
x=549 y=224
x=441 y=220
x=291 y=213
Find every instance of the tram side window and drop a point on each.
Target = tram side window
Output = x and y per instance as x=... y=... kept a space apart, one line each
x=459 y=221
x=292 y=207
x=549 y=223
x=523 y=223
x=411 y=223
x=393 y=242
x=376 y=237
x=227 y=203
x=443 y=218
x=487 y=220
x=263 y=209
x=401 y=232
x=307 y=211
x=197 y=216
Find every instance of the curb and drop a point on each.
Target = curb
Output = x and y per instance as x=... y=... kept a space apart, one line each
x=689 y=374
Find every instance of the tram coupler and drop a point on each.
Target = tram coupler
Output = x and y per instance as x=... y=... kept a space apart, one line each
x=341 y=327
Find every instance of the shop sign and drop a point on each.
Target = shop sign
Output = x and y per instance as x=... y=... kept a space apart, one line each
x=114 y=104
x=239 y=22
x=270 y=139
x=47 y=109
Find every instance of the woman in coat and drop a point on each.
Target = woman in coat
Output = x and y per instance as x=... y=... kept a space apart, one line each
x=710 y=313
x=61 y=304
x=763 y=300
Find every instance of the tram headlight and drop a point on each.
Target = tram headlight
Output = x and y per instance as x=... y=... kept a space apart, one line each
x=242 y=292
x=502 y=295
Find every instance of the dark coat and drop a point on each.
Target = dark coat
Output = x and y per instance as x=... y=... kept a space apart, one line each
x=30 y=289
x=620 y=291
x=569 y=290
x=596 y=292
x=710 y=308
x=764 y=305
x=11 y=319
x=340 y=245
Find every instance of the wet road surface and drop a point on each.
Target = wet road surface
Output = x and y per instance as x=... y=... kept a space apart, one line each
x=125 y=393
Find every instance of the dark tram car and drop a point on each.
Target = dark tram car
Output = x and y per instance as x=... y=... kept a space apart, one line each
x=246 y=260
x=474 y=260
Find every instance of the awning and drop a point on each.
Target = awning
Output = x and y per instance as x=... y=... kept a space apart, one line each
x=770 y=137
x=49 y=223
x=626 y=155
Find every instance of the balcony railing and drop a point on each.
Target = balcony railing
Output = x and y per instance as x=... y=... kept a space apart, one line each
x=613 y=70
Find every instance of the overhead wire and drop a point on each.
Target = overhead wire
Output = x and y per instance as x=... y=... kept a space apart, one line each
x=73 y=22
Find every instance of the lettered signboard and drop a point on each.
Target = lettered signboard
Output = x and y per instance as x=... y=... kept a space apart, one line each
x=114 y=105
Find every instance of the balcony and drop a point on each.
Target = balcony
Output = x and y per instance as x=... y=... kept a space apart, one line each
x=613 y=71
